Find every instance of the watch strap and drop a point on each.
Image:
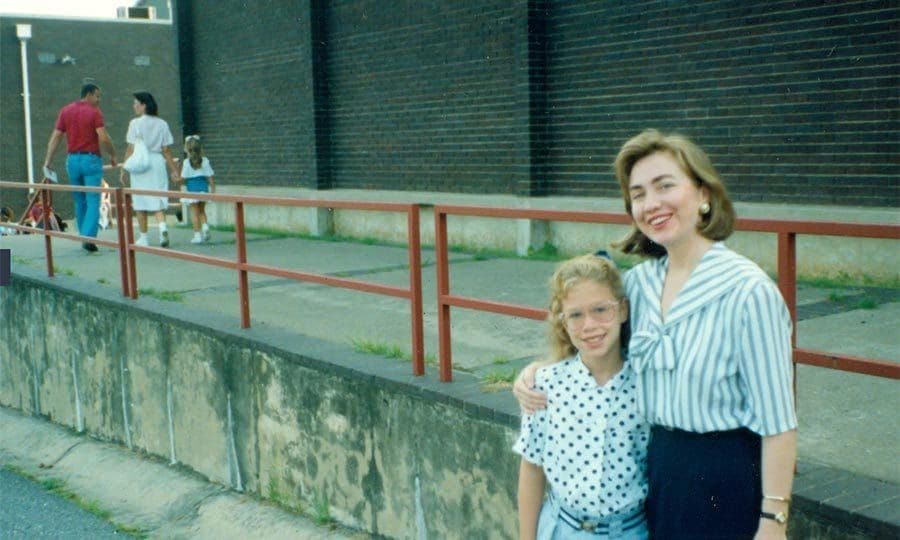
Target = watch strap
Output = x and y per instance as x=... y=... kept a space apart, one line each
x=780 y=517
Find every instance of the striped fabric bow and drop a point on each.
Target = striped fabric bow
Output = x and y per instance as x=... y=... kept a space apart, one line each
x=651 y=349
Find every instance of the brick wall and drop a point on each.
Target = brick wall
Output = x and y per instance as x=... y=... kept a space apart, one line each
x=427 y=95
x=248 y=88
x=796 y=101
x=104 y=51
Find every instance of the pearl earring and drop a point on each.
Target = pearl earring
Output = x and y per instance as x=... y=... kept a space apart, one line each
x=704 y=208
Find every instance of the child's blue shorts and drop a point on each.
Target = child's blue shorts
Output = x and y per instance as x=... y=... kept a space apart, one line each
x=197 y=184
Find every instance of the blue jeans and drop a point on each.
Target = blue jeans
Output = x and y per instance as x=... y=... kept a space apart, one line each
x=86 y=170
x=552 y=527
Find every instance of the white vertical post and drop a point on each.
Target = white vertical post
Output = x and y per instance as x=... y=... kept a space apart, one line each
x=23 y=32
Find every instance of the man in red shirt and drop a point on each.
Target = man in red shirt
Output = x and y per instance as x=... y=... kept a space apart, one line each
x=81 y=122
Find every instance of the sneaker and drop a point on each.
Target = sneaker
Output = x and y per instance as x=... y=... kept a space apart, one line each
x=89 y=247
x=206 y=235
x=163 y=238
x=142 y=241
x=197 y=239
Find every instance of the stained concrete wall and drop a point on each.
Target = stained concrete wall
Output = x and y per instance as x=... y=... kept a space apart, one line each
x=269 y=419
x=308 y=424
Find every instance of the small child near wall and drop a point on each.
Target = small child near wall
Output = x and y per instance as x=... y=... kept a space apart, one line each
x=198 y=176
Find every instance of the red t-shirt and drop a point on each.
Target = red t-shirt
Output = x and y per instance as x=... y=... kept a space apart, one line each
x=79 y=121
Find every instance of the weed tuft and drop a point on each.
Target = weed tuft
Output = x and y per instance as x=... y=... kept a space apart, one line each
x=379 y=348
x=166 y=295
x=500 y=376
x=321 y=509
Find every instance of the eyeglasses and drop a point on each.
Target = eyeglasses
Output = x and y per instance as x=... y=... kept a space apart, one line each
x=604 y=312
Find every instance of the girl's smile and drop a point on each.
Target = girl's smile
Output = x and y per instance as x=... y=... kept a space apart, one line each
x=594 y=318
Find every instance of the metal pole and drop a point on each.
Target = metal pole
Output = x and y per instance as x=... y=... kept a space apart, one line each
x=243 y=282
x=415 y=289
x=442 y=268
x=23 y=31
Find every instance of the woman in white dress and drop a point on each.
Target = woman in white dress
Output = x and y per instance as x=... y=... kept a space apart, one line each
x=157 y=137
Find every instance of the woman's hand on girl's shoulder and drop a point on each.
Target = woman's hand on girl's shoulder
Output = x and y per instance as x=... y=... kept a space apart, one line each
x=530 y=400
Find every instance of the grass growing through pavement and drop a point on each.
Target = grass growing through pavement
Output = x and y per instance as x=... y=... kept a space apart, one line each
x=321 y=509
x=845 y=281
x=498 y=379
x=500 y=376
x=867 y=303
x=381 y=349
x=168 y=296
x=58 y=487
x=387 y=350
x=280 y=498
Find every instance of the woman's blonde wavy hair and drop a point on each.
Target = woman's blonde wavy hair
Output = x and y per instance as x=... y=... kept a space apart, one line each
x=590 y=267
x=718 y=224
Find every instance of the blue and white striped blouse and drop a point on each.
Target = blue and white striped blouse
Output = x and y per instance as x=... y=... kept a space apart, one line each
x=722 y=358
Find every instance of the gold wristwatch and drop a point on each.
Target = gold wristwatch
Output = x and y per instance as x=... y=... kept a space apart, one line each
x=780 y=517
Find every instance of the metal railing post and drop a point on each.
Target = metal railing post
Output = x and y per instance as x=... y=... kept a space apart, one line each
x=45 y=217
x=443 y=289
x=243 y=282
x=123 y=245
x=129 y=234
x=787 y=283
x=415 y=290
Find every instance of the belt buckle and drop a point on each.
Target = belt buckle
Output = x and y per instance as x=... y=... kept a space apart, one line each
x=589 y=526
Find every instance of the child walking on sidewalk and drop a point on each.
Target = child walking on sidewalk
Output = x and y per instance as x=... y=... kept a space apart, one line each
x=198 y=177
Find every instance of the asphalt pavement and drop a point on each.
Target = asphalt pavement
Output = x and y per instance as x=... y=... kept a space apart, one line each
x=29 y=510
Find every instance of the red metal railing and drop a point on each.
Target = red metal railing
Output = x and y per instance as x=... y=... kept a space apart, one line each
x=43 y=192
x=786 y=230
x=127 y=251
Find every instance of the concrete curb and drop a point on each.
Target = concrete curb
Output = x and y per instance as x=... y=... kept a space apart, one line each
x=143 y=493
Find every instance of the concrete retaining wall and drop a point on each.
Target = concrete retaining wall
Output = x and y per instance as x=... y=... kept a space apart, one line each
x=260 y=412
x=310 y=425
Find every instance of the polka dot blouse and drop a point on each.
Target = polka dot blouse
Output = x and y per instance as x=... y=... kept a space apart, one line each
x=590 y=440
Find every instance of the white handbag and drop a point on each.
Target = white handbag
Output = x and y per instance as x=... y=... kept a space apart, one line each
x=139 y=160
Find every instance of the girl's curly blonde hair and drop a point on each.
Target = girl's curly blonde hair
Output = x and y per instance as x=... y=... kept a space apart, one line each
x=585 y=267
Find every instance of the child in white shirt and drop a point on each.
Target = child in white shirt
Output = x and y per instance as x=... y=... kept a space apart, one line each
x=198 y=176
x=588 y=448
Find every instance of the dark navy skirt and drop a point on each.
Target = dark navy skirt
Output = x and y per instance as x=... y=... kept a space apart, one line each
x=703 y=485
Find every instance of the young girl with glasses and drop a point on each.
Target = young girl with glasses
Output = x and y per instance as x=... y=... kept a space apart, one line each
x=589 y=444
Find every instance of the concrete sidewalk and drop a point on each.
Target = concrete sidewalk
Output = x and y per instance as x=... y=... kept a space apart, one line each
x=144 y=495
x=847 y=421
